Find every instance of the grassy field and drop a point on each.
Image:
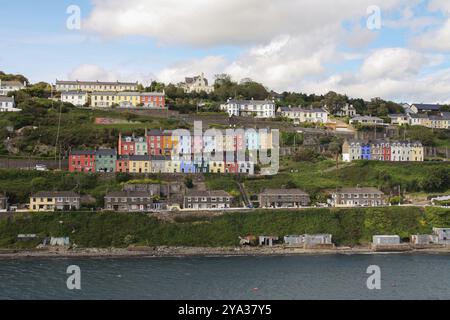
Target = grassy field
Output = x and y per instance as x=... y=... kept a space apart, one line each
x=319 y=176
x=348 y=226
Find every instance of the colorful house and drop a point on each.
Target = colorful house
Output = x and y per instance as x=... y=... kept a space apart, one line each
x=158 y=164
x=128 y=99
x=172 y=166
x=216 y=166
x=140 y=145
x=123 y=164
x=105 y=160
x=103 y=99
x=82 y=161
x=187 y=165
x=127 y=146
x=140 y=164
x=155 y=142
x=366 y=151
x=153 y=100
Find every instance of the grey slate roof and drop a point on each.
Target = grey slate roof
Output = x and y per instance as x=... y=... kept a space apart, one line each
x=55 y=194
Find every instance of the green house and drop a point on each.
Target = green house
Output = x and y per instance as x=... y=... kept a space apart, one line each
x=105 y=160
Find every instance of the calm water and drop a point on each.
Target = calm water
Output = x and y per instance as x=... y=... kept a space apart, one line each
x=302 y=277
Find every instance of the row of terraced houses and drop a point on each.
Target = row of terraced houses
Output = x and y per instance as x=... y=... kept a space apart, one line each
x=383 y=150
x=164 y=152
x=108 y=94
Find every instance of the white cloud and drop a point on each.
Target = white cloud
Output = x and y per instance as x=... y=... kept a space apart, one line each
x=232 y=22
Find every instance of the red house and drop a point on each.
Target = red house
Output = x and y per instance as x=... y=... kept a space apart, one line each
x=127 y=146
x=153 y=100
x=231 y=164
x=386 y=152
x=82 y=161
x=123 y=164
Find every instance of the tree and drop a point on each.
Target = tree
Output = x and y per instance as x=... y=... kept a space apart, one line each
x=334 y=102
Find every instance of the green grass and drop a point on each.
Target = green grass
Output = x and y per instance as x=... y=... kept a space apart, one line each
x=348 y=226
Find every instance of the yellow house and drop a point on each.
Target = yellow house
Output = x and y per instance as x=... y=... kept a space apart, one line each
x=216 y=166
x=416 y=153
x=103 y=99
x=140 y=164
x=54 y=200
x=172 y=166
x=128 y=99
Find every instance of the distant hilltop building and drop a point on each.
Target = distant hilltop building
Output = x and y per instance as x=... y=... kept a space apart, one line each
x=11 y=86
x=425 y=107
x=196 y=84
x=94 y=86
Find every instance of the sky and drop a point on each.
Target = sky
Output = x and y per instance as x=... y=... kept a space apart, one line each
x=392 y=49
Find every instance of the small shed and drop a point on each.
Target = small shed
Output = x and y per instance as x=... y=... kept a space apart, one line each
x=317 y=239
x=443 y=235
x=59 y=242
x=386 y=240
x=267 y=240
x=424 y=239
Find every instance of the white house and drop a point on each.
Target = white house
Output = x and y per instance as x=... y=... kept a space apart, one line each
x=75 y=98
x=7 y=104
x=304 y=115
x=10 y=86
x=258 y=108
x=196 y=84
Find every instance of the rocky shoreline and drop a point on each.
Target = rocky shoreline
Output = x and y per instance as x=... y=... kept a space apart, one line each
x=202 y=252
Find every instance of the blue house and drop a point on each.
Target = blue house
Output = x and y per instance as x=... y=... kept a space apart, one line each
x=366 y=152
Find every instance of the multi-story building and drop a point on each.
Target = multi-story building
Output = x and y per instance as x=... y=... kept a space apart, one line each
x=140 y=164
x=105 y=99
x=133 y=201
x=399 y=119
x=128 y=99
x=11 y=86
x=283 y=198
x=158 y=164
x=153 y=100
x=7 y=104
x=141 y=146
x=358 y=197
x=347 y=111
x=54 y=200
x=196 y=84
x=82 y=161
x=105 y=160
x=199 y=200
x=257 y=108
x=123 y=164
x=156 y=142
x=95 y=86
x=77 y=98
x=351 y=151
x=3 y=202
x=425 y=107
x=304 y=115
x=127 y=145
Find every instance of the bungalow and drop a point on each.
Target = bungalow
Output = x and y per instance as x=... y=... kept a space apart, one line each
x=357 y=197
x=54 y=200
x=385 y=240
x=283 y=198
x=367 y=120
x=195 y=199
x=133 y=201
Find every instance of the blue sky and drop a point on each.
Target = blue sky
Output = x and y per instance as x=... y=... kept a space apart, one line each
x=302 y=45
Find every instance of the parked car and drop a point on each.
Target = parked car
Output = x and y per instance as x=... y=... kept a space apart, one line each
x=41 y=167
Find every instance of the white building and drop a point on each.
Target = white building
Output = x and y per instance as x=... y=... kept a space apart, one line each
x=196 y=84
x=10 y=86
x=347 y=111
x=7 y=104
x=304 y=115
x=75 y=98
x=386 y=240
x=95 y=86
x=262 y=109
